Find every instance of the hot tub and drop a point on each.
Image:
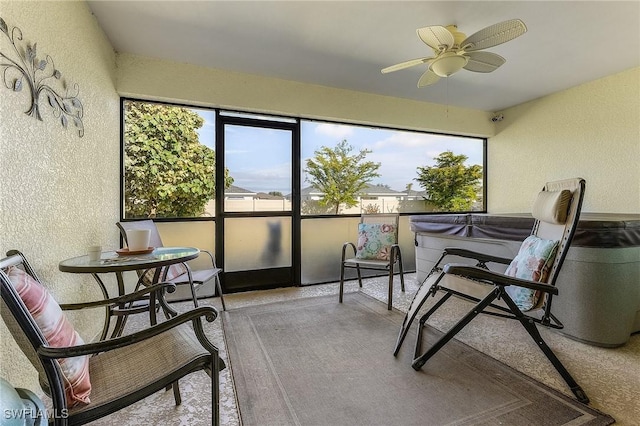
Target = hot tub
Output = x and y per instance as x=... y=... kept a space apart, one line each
x=599 y=283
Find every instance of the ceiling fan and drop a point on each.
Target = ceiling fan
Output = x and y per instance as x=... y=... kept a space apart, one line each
x=454 y=50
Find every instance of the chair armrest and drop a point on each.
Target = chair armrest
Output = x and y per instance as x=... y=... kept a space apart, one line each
x=455 y=251
x=131 y=297
x=482 y=274
x=213 y=260
x=209 y=312
x=344 y=249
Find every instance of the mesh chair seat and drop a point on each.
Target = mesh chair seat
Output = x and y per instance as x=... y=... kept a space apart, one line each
x=117 y=372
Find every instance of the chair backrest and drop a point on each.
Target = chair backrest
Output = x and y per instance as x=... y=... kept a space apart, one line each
x=552 y=223
x=154 y=239
x=382 y=219
x=24 y=330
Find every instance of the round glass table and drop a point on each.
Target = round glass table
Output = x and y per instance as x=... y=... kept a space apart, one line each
x=113 y=262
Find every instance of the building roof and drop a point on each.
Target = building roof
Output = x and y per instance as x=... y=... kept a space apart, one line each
x=236 y=190
x=265 y=196
x=379 y=190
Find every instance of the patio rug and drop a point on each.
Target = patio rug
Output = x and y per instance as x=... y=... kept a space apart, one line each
x=317 y=362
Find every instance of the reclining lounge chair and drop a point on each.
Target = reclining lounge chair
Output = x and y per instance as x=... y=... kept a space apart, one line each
x=524 y=292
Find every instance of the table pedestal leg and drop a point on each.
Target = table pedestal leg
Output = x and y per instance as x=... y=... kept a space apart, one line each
x=108 y=311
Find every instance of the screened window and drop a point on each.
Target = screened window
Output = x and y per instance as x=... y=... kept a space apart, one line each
x=350 y=169
x=169 y=161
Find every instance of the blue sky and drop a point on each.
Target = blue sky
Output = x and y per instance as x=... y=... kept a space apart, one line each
x=259 y=159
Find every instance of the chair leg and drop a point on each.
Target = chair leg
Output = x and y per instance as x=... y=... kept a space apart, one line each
x=194 y=296
x=421 y=296
x=424 y=318
x=401 y=269
x=215 y=391
x=359 y=275
x=390 y=296
x=421 y=360
x=341 y=281
x=533 y=331
x=176 y=393
x=219 y=288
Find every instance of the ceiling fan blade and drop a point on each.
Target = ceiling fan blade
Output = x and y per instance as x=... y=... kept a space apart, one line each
x=494 y=35
x=429 y=77
x=406 y=64
x=483 y=61
x=436 y=37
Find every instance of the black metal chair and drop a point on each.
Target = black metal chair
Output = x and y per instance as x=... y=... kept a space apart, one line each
x=388 y=256
x=122 y=370
x=193 y=278
x=556 y=210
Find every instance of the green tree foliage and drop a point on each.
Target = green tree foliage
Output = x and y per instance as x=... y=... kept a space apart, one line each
x=450 y=185
x=340 y=175
x=310 y=207
x=168 y=172
x=371 y=209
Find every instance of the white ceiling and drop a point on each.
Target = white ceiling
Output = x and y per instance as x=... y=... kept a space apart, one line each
x=346 y=44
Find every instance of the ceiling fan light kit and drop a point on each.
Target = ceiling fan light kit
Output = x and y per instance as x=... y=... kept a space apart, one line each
x=454 y=51
x=448 y=63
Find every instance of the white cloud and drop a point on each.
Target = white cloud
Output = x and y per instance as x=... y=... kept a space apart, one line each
x=237 y=151
x=334 y=130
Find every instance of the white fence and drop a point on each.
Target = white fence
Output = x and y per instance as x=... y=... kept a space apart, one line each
x=310 y=207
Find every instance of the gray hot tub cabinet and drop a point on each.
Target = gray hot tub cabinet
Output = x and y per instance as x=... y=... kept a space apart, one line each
x=599 y=283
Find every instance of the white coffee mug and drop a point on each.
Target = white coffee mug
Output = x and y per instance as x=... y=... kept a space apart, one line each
x=94 y=253
x=138 y=239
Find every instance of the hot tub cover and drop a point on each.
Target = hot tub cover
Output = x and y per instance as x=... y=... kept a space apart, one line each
x=604 y=230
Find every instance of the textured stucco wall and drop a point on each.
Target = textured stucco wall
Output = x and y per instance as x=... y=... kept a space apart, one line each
x=59 y=192
x=170 y=81
x=591 y=131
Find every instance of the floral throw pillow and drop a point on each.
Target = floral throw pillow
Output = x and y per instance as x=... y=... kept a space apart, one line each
x=375 y=241
x=532 y=263
x=57 y=331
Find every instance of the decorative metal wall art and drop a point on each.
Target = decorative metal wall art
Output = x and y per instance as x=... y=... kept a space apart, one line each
x=22 y=66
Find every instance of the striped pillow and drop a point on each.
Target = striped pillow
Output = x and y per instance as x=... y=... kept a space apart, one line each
x=57 y=331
